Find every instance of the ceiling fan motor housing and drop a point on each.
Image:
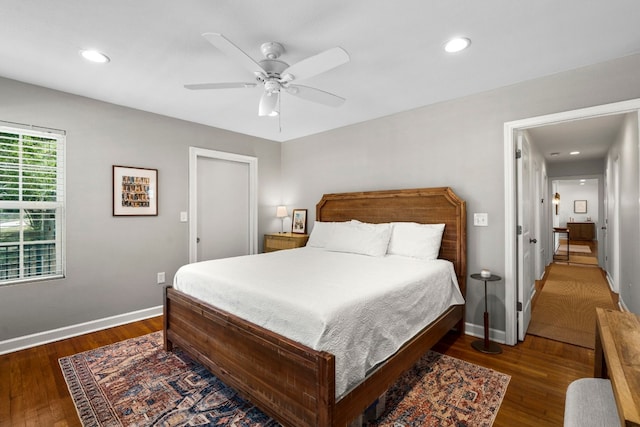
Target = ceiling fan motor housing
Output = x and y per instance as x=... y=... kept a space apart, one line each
x=273 y=67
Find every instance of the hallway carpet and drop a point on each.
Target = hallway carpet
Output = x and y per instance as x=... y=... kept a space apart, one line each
x=566 y=308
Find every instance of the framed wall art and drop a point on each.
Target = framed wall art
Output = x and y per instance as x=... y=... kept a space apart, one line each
x=579 y=206
x=135 y=191
x=299 y=221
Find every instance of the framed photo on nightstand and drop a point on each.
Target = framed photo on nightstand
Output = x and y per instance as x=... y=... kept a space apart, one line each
x=299 y=221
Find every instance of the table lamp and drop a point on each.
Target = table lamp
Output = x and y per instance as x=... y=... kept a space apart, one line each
x=281 y=212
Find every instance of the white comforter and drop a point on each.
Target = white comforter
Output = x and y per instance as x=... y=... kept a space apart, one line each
x=359 y=308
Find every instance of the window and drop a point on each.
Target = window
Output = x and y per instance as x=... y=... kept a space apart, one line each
x=31 y=204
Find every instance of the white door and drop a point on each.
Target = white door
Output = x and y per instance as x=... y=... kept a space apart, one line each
x=223 y=208
x=603 y=240
x=614 y=227
x=222 y=205
x=537 y=205
x=526 y=262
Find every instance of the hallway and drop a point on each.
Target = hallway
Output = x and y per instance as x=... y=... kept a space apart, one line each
x=581 y=252
x=566 y=297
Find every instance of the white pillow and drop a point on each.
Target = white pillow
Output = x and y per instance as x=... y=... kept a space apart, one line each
x=360 y=238
x=321 y=233
x=415 y=240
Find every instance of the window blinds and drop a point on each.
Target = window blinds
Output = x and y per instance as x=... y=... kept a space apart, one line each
x=31 y=204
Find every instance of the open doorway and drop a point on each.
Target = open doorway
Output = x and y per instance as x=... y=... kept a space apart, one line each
x=577 y=208
x=512 y=251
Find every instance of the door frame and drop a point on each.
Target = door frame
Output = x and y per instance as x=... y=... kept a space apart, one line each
x=510 y=205
x=252 y=162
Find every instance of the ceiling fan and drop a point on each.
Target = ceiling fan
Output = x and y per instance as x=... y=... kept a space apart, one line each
x=277 y=76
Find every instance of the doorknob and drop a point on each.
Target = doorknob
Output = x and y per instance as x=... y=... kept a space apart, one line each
x=197 y=240
x=603 y=228
x=533 y=240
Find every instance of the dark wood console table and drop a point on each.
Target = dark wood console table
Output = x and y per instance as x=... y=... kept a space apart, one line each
x=582 y=230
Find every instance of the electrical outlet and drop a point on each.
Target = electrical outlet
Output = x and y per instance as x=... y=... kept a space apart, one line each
x=481 y=219
x=161 y=278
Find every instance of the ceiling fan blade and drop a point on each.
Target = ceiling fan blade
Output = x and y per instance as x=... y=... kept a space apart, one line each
x=233 y=51
x=234 y=85
x=317 y=64
x=315 y=95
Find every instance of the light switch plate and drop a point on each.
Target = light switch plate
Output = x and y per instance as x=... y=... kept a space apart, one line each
x=481 y=219
x=183 y=216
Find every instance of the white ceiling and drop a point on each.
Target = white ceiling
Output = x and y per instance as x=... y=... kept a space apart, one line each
x=590 y=137
x=396 y=49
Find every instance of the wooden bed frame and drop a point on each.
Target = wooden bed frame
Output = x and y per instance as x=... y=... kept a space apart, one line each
x=291 y=382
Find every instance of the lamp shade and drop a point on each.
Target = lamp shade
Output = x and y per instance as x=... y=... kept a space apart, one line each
x=281 y=212
x=268 y=104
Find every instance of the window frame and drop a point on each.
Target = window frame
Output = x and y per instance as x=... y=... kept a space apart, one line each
x=59 y=205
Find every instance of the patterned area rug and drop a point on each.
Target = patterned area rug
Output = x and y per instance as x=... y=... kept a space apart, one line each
x=136 y=383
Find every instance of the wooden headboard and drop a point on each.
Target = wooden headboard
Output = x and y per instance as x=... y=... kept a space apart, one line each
x=422 y=205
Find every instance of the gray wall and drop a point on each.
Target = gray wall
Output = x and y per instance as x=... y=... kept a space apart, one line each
x=112 y=261
x=626 y=150
x=458 y=143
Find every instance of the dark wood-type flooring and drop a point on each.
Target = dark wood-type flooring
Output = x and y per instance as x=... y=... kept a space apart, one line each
x=34 y=393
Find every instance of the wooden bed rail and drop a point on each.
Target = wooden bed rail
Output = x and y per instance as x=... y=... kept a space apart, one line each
x=290 y=382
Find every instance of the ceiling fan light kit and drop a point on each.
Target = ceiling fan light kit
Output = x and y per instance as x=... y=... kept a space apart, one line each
x=269 y=104
x=277 y=76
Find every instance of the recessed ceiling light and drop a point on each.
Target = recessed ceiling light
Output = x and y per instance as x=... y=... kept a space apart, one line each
x=457 y=44
x=573 y=153
x=554 y=154
x=94 y=56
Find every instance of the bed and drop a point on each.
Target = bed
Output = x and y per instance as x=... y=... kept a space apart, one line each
x=292 y=382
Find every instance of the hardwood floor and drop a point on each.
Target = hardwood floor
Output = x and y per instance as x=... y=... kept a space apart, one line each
x=540 y=370
x=34 y=393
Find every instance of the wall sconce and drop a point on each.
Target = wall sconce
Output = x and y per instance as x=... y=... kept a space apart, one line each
x=556 y=201
x=281 y=212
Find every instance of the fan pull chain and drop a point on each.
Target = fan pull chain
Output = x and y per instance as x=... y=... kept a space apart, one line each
x=279 y=112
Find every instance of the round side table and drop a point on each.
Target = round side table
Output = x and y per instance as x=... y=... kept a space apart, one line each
x=485 y=345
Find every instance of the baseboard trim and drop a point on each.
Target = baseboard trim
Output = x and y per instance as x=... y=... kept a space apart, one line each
x=622 y=305
x=45 y=337
x=478 y=331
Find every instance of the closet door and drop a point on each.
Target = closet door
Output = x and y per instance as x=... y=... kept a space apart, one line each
x=222 y=205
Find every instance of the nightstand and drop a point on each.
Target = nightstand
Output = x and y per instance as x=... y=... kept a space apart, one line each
x=279 y=241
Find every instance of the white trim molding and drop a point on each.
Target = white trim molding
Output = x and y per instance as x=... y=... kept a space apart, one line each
x=45 y=337
x=474 y=330
x=510 y=200
x=252 y=162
